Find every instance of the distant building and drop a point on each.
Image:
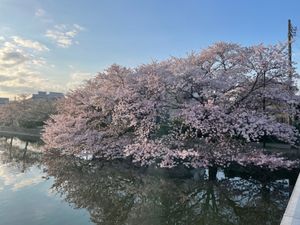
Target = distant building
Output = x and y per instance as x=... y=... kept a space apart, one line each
x=55 y=95
x=40 y=95
x=4 y=101
x=45 y=95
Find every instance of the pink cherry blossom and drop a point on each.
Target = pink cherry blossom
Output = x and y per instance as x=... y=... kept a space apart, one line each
x=209 y=108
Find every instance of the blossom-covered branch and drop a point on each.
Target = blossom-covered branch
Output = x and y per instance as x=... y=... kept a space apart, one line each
x=206 y=109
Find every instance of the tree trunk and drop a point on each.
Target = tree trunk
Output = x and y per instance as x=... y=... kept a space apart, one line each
x=11 y=141
x=25 y=149
x=212 y=173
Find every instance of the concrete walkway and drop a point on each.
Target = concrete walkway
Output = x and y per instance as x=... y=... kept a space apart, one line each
x=292 y=212
x=11 y=133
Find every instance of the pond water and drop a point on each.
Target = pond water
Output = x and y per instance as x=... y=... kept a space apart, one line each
x=38 y=189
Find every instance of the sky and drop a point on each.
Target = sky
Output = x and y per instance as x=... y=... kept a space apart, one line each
x=53 y=45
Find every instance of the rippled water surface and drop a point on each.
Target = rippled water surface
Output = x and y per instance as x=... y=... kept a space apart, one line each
x=37 y=189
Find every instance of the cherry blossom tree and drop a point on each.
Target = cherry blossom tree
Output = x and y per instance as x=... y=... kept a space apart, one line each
x=209 y=108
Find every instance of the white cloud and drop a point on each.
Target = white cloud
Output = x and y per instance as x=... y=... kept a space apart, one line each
x=11 y=56
x=21 y=67
x=78 y=27
x=64 y=35
x=43 y=16
x=40 y=12
x=29 y=44
x=78 y=78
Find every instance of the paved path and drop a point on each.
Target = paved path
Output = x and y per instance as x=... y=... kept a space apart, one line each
x=292 y=212
x=14 y=133
x=21 y=133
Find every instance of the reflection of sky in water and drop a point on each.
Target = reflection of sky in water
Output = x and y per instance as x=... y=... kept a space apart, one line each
x=26 y=199
x=117 y=194
x=12 y=179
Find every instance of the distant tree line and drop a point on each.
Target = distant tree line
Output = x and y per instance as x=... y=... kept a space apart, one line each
x=25 y=112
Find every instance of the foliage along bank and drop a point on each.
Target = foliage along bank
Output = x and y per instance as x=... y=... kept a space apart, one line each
x=206 y=109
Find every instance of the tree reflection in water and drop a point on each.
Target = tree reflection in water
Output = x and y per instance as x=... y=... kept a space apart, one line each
x=20 y=159
x=116 y=193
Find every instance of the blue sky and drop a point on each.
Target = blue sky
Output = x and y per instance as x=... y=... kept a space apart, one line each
x=52 y=45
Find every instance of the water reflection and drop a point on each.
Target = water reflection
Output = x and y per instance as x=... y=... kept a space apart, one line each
x=24 y=192
x=115 y=193
x=18 y=169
